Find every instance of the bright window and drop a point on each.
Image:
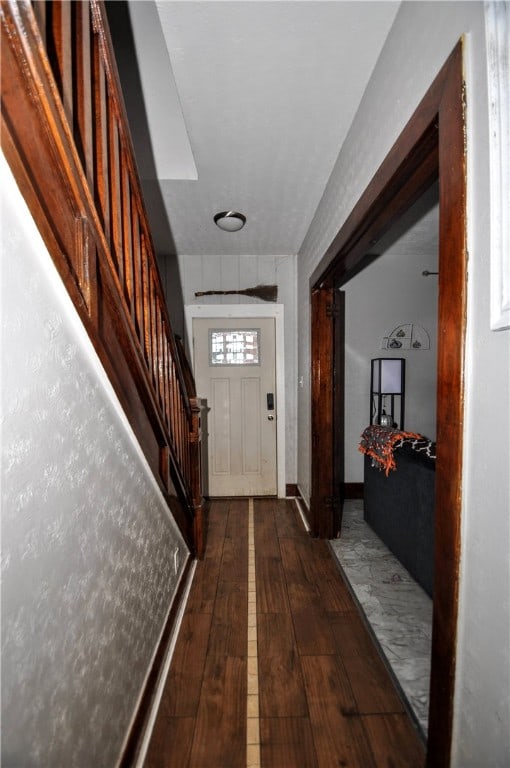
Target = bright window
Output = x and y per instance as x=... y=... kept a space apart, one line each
x=234 y=347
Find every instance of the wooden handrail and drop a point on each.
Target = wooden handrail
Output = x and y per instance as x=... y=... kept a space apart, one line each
x=65 y=135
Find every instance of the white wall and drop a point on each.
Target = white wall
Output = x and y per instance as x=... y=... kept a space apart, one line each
x=420 y=41
x=87 y=541
x=391 y=292
x=208 y=273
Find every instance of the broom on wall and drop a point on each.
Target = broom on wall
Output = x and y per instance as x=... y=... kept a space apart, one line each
x=264 y=292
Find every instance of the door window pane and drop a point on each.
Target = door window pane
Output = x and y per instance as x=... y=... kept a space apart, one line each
x=241 y=347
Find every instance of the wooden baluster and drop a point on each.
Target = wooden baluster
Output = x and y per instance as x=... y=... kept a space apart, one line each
x=164 y=350
x=175 y=411
x=116 y=198
x=166 y=392
x=150 y=323
x=189 y=432
x=82 y=102
x=170 y=389
x=154 y=329
x=195 y=478
x=40 y=8
x=167 y=353
x=147 y=347
x=175 y=407
x=101 y=165
x=59 y=49
x=127 y=242
x=170 y=397
x=159 y=371
x=178 y=419
x=184 y=445
x=137 y=271
x=179 y=431
x=161 y=364
x=183 y=433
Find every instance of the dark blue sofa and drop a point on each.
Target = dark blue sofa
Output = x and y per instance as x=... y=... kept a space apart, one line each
x=400 y=509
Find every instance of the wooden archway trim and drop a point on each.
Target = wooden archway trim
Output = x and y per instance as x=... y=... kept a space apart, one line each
x=431 y=146
x=321 y=501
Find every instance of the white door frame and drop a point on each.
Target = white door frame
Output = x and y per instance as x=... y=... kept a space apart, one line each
x=215 y=311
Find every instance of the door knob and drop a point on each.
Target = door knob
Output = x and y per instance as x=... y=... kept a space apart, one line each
x=270 y=417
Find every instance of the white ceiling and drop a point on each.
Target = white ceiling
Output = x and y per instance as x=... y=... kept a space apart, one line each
x=268 y=91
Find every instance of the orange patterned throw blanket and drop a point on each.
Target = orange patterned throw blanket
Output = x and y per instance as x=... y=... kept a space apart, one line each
x=379 y=443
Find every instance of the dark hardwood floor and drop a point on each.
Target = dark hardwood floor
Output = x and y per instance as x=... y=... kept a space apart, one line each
x=325 y=698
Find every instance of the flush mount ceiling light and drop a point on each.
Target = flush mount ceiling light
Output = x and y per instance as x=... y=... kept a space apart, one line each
x=230 y=221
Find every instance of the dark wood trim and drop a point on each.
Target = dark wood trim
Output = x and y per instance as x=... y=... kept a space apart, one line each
x=450 y=408
x=431 y=146
x=338 y=320
x=322 y=338
x=140 y=721
x=291 y=489
x=353 y=490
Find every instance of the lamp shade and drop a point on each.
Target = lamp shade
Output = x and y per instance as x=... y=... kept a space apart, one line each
x=388 y=375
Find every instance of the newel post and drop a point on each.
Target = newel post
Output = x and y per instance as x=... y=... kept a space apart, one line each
x=195 y=439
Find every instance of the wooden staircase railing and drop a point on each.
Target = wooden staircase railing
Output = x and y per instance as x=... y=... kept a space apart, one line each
x=65 y=135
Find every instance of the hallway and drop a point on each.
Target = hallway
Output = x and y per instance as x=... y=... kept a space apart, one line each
x=273 y=665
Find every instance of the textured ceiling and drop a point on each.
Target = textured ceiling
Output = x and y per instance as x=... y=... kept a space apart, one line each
x=268 y=91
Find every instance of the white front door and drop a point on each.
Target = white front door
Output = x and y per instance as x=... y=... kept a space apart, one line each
x=234 y=361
